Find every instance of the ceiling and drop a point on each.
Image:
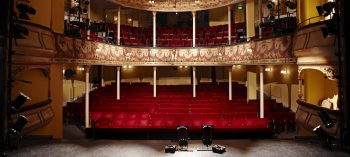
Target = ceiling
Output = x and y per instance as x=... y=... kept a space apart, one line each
x=174 y=5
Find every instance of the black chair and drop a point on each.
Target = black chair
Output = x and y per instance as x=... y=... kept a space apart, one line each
x=182 y=137
x=207 y=135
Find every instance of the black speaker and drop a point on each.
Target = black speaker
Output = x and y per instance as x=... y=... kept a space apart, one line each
x=170 y=149
x=219 y=149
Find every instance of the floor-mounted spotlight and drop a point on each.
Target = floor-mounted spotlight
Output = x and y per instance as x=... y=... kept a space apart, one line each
x=207 y=135
x=326 y=120
x=16 y=128
x=182 y=137
x=324 y=136
x=18 y=102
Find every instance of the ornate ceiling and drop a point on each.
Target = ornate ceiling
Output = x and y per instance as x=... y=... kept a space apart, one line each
x=174 y=5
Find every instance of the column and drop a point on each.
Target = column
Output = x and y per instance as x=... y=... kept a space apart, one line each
x=261 y=82
x=260 y=18
x=194 y=29
x=250 y=26
x=300 y=85
x=229 y=24
x=118 y=27
x=89 y=17
x=194 y=81
x=230 y=83
x=100 y=75
x=154 y=81
x=87 y=89
x=154 y=29
x=118 y=83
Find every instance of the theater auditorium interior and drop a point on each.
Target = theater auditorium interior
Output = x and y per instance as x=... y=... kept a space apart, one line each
x=174 y=78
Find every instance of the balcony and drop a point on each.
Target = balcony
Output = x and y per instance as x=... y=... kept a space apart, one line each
x=44 y=46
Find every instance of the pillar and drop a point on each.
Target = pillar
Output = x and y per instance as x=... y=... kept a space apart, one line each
x=229 y=24
x=194 y=81
x=118 y=83
x=300 y=85
x=260 y=18
x=100 y=76
x=87 y=89
x=230 y=83
x=154 y=29
x=194 y=29
x=250 y=26
x=261 y=82
x=118 y=27
x=154 y=81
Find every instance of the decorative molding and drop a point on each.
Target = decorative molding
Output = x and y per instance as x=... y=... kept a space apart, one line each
x=174 y=5
x=329 y=71
x=269 y=51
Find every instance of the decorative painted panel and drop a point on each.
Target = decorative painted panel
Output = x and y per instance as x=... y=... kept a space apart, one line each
x=269 y=51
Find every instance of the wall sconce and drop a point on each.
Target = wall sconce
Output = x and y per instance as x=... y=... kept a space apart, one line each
x=269 y=69
x=283 y=71
x=236 y=66
x=127 y=66
x=80 y=68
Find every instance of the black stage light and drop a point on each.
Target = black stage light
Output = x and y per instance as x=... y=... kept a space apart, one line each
x=86 y=2
x=319 y=10
x=85 y=10
x=19 y=31
x=31 y=10
x=17 y=127
x=270 y=5
x=325 y=9
x=290 y=4
x=330 y=29
x=23 y=9
x=328 y=8
x=182 y=137
x=326 y=120
x=18 y=102
x=207 y=135
x=219 y=149
x=325 y=138
x=170 y=149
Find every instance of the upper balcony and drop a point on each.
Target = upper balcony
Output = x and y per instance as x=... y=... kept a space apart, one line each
x=43 y=46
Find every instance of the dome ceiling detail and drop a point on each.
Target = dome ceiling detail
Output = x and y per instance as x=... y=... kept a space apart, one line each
x=174 y=5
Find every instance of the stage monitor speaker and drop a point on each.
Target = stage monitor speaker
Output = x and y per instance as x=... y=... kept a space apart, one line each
x=219 y=149
x=170 y=149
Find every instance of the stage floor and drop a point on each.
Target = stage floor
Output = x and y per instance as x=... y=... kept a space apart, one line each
x=155 y=148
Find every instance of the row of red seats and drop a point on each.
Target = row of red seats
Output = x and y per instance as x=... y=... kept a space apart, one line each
x=107 y=120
